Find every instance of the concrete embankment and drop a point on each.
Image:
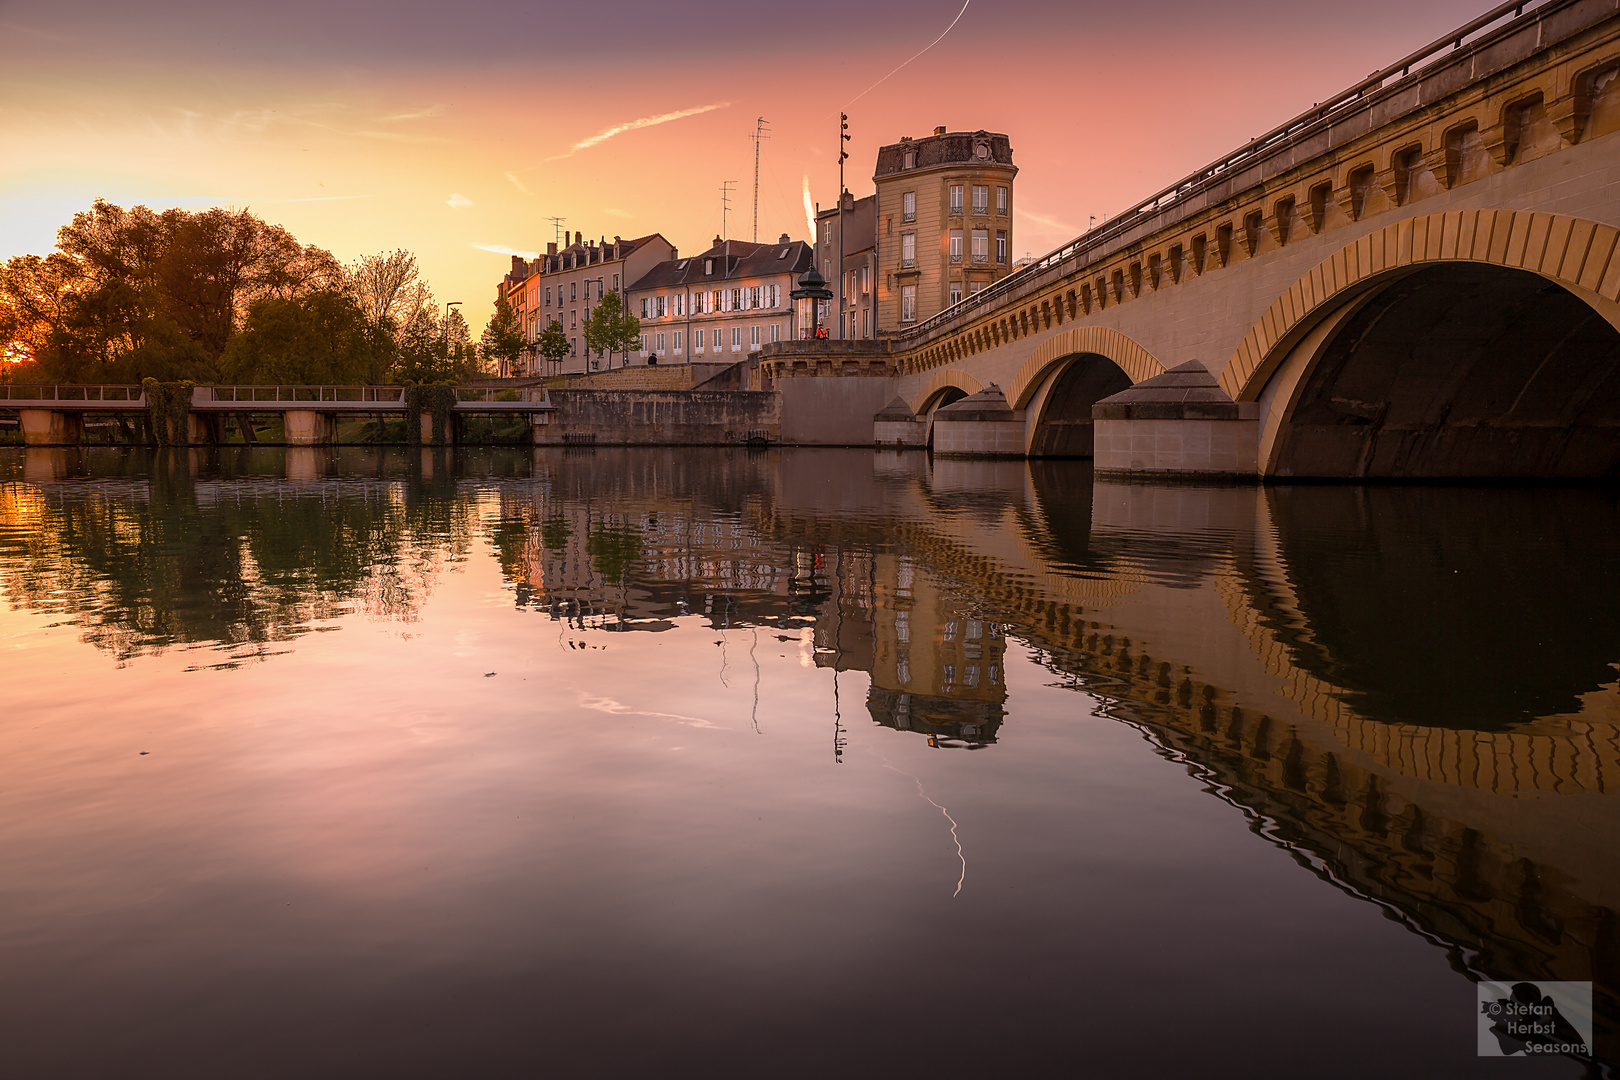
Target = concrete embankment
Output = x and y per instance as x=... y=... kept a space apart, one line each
x=660 y=418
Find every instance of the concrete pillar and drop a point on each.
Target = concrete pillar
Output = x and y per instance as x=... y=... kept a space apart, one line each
x=450 y=433
x=306 y=427
x=980 y=425
x=48 y=427
x=895 y=425
x=1180 y=423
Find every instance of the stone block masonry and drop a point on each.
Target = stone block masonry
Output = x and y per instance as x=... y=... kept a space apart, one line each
x=660 y=418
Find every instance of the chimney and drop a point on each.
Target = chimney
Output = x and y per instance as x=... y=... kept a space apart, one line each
x=939 y=130
x=784 y=239
x=717 y=240
x=551 y=249
x=517 y=264
x=579 y=238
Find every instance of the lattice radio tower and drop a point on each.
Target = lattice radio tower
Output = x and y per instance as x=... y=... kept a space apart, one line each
x=556 y=230
x=761 y=131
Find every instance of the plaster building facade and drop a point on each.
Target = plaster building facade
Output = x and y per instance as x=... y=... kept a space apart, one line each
x=944 y=221
x=566 y=285
x=855 y=223
x=723 y=304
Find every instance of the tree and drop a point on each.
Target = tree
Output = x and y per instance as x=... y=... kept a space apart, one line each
x=133 y=293
x=502 y=339
x=611 y=328
x=553 y=344
x=319 y=338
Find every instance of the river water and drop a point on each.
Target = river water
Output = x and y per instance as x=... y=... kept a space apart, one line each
x=371 y=762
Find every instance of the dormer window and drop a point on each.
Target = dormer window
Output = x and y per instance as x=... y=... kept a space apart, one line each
x=708 y=266
x=981 y=150
x=908 y=160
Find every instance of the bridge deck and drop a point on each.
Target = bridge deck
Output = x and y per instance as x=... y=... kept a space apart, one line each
x=326 y=399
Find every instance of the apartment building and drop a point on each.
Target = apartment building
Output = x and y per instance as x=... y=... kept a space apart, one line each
x=943 y=220
x=567 y=284
x=853 y=223
x=722 y=304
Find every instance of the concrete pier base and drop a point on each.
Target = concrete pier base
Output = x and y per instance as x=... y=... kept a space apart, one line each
x=49 y=427
x=1180 y=423
x=895 y=425
x=306 y=427
x=980 y=425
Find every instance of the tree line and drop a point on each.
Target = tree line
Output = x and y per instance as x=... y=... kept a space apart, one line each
x=223 y=296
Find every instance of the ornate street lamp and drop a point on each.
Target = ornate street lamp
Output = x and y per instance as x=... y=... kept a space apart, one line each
x=807 y=298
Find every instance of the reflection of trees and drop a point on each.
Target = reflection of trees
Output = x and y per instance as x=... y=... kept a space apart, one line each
x=236 y=567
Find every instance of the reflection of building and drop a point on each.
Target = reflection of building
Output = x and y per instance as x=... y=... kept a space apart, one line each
x=936 y=667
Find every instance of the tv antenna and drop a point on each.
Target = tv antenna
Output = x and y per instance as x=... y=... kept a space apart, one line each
x=725 y=205
x=761 y=131
x=556 y=229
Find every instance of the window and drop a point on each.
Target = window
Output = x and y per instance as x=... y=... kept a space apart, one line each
x=908 y=206
x=573 y=320
x=956 y=245
x=1001 y=245
x=573 y=290
x=908 y=250
x=754 y=298
x=677 y=341
x=753 y=336
x=708 y=266
x=975 y=286
x=660 y=342
x=736 y=337
x=646 y=306
x=776 y=296
x=663 y=306
x=776 y=331
x=981 y=199
x=981 y=245
x=866 y=322
x=908 y=160
x=714 y=300
x=908 y=303
x=548 y=297
x=1001 y=202
x=956 y=198
x=956 y=292
x=615 y=282
x=680 y=304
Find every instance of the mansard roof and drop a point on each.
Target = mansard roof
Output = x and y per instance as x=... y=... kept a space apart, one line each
x=733 y=260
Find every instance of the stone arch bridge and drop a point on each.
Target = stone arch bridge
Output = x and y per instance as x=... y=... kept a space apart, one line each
x=1419 y=277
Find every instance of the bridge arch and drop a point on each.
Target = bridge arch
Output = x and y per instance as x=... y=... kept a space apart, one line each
x=939 y=385
x=1472 y=343
x=1067 y=374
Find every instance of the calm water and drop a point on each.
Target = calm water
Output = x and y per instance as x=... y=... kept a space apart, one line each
x=808 y=763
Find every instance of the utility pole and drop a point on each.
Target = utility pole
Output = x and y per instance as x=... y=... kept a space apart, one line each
x=725 y=205
x=761 y=131
x=843 y=155
x=556 y=230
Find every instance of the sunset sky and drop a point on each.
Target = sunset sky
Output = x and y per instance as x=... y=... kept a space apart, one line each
x=456 y=131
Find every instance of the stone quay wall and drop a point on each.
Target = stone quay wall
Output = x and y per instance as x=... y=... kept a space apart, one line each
x=659 y=418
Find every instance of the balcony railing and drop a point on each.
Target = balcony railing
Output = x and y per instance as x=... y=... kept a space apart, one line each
x=981 y=256
x=908 y=216
x=956 y=256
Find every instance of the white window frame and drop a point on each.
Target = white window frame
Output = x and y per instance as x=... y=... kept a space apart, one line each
x=908 y=250
x=908 y=303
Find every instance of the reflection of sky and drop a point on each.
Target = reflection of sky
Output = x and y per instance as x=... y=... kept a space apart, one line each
x=365 y=126
x=375 y=830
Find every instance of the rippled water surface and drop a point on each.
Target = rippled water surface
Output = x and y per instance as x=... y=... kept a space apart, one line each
x=792 y=763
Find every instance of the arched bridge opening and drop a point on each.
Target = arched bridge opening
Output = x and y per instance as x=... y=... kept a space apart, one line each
x=1455 y=371
x=947 y=395
x=1062 y=422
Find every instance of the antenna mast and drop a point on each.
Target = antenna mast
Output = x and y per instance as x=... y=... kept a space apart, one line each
x=725 y=205
x=761 y=131
x=843 y=155
x=556 y=229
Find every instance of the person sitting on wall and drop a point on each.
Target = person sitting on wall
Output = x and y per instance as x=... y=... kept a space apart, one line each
x=652 y=359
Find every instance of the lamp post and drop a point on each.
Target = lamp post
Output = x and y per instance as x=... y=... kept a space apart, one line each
x=807 y=300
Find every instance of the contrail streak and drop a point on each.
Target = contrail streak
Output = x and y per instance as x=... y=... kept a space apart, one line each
x=924 y=49
x=954 y=838
x=634 y=125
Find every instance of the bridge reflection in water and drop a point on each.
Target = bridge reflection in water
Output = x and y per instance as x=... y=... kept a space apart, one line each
x=1413 y=690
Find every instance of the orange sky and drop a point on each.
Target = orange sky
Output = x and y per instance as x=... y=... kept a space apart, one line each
x=364 y=127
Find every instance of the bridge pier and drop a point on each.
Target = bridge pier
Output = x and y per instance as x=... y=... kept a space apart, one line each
x=306 y=427
x=1180 y=423
x=895 y=425
x=980 y=425
x=51 y=427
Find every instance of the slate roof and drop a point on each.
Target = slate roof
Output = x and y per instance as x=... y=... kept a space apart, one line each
x=951 y=148
x=733 y=260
